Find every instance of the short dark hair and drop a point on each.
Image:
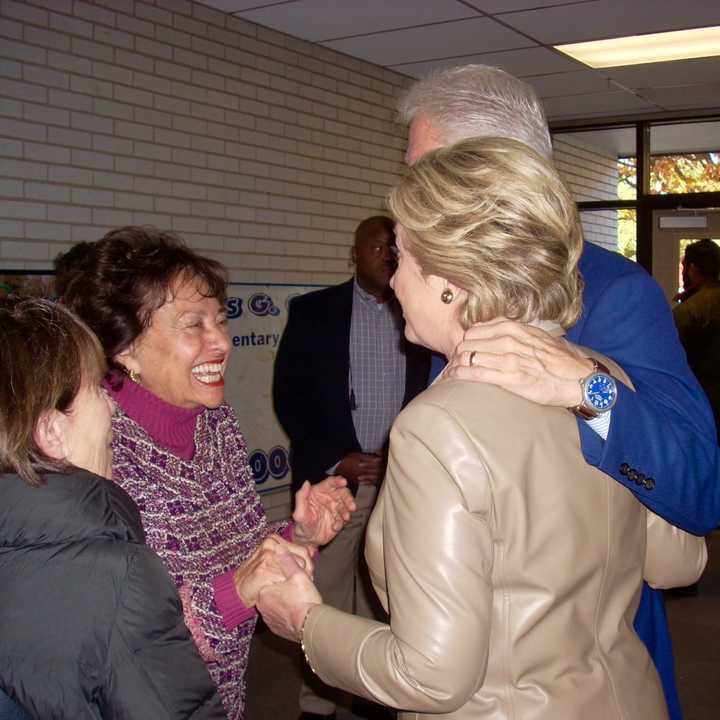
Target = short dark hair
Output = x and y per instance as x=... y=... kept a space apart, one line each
x=116 y=284
x=705 y=255
x=374 y=224
x=46 y=353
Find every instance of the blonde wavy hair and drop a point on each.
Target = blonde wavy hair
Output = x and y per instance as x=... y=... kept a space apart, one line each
x=492 y=216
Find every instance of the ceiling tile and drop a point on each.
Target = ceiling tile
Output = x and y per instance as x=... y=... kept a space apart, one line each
x=463 y=37
x=319 y=20
x=668 y=73
x=526 y=61
x=570 y=83
x=499 y=6
x=595 y=105
x=705 y=95
x=612 y=18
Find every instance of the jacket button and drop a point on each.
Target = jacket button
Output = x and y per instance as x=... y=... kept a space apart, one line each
x=640 y=479
x=632 y=475
x=649 y=483
x=624 y=469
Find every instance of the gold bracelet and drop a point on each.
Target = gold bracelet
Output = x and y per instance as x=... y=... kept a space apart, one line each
x=302 y=639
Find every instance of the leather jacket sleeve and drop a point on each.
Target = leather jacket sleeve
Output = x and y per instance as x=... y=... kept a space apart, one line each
x=673 y=558
x=436 y=541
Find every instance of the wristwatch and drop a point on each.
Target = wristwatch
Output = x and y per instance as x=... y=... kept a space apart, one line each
x=599 y=393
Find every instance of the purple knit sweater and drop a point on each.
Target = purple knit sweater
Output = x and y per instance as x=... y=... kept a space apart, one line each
x=188 y=472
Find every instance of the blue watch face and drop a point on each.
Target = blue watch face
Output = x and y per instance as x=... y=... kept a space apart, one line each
x=601 y=392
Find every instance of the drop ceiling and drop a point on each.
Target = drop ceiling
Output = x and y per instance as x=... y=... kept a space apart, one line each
x=414 y=37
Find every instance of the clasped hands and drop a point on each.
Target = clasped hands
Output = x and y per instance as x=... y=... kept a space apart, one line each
x=321 y=511
x=522 y=359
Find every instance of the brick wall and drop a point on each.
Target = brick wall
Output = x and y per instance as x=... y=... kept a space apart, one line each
x=260 y=149
x=591 y=174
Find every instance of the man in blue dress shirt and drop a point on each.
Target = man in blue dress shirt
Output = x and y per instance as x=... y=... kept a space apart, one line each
x=658 y=441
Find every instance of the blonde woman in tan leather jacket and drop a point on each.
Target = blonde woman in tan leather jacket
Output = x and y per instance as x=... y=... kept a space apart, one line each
x=511 y=569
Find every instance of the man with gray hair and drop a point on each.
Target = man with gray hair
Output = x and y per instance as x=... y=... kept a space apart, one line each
x=659 y=440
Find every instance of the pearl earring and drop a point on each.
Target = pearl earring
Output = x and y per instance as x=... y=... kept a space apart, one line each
x=447 y=296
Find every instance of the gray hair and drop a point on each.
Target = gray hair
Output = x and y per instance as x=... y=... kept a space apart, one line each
x=478 y=101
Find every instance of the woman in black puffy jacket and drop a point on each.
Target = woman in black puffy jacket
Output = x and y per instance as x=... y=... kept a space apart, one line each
x=91 y=624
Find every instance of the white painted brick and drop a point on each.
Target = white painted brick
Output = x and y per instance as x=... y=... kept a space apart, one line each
x=153 y=14
x=134 y=130
x=90 y=49
x=10 y=148
x=133 y=60
x=153 y=117
x=216 y=162
x=12 y=229
x=11 y=29
x=93 y=197
x=192 y=27
x=69 y=175
x=172 y=105
x=112 y=218
x=87 y=233
x=189 y=190
x=10 y=69
x=46 y=115
x=86 y=158
x=24 y=12
x=190 y=125
x=133 y=96
x=69 y=138
x=47 y=231
x=47 y=192
x=94 y=14
x=208 y=145
x=10 y=188
x=112 y=73
x=63 y=6
x=22 y=130
x=152 y=186
x=111 y=180
x=192 y=59
x=69 y=214
x=189 y=157
x=22 y=51
x=186 y=224
x=46 y=153
x=91 y=86
x=176 y=38
x=173 y=71
x=22 y=90
x=208 y=47
x=70 y=100
x=171 y=171
x=112 y=109
x=209 y=15
x=26 y=250
x=23 y=210
x=208 y=80
x=91 y=123
x=151 y=151
x=173 y=138
x=133 y=201
x=208 y=209
x=71 y=25
x=134 y=166
x=173 y=206
x=134 y=26
x=151 y=83
x=222 y=131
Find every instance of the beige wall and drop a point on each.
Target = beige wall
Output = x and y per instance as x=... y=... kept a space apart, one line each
x=263 y=150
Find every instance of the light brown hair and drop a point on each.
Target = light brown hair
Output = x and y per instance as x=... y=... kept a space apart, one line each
x=492 y=216
x=46 y=354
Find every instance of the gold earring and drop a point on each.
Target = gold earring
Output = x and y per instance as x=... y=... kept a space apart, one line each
x=134 y=375
x=447 y=296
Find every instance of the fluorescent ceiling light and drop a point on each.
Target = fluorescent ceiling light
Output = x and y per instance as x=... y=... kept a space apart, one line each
x=639 y=49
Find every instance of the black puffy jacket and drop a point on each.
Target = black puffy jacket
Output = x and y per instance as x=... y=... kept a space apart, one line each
x=91 y=625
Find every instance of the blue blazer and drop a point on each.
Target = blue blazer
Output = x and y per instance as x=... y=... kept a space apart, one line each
x=665 y=430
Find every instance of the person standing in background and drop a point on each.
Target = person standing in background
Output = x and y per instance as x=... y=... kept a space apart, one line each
x=697 y=317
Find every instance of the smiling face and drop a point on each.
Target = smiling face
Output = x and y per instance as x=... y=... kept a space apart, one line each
x=428 y=321
x=182 y=355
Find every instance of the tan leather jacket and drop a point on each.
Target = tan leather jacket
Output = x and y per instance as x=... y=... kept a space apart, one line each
x=511 y=570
